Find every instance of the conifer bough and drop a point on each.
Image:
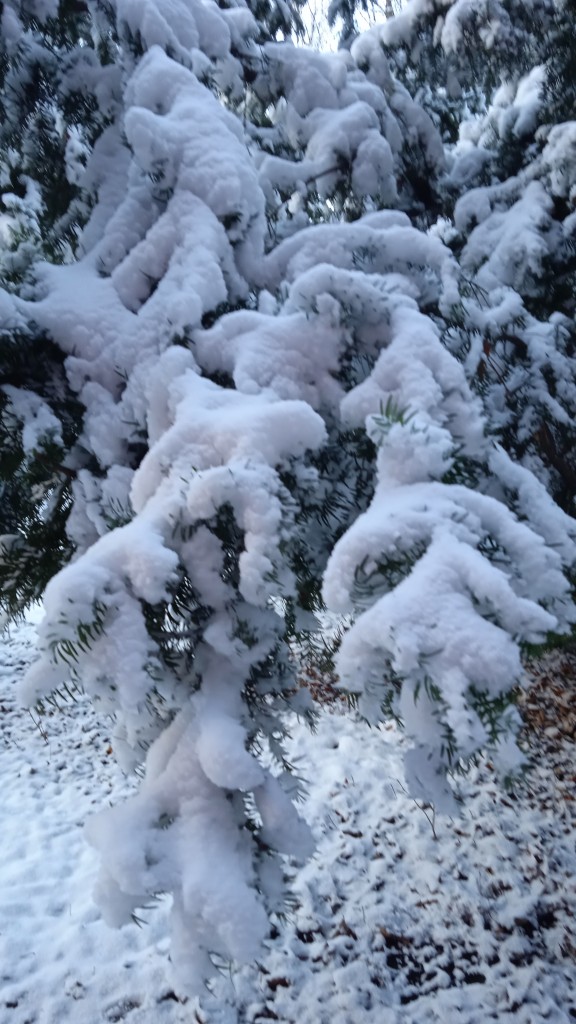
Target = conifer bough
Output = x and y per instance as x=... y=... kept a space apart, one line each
x=271 y=348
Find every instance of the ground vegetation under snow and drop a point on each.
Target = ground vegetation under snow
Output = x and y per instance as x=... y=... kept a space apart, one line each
x=402 y=916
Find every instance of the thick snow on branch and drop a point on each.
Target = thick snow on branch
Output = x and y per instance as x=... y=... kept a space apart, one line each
x=270 y=414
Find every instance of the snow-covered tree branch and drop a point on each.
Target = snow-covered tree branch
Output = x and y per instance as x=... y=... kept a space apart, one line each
x=272 y=346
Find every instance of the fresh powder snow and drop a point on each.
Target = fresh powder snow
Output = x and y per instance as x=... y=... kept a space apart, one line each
x=401 y=916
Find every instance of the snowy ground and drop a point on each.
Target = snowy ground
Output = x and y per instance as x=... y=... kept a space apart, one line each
x=401 y=919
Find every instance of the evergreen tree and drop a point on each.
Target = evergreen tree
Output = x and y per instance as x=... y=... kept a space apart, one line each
x=52 y=111
x=496 y=80
x=229 y=404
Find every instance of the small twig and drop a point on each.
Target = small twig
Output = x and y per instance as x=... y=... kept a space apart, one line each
x=430 y=818
x=322 y=174
x=42 y=731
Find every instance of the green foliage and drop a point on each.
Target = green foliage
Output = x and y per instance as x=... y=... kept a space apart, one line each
x=390 y=414
x=49 y=121
x=39 y=112
x=375 y=577
x=36 y=483
x=560 y=84
x=70 y=649
x=176 y=626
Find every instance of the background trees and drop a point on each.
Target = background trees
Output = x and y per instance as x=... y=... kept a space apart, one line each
x=277 y=338
x=507 y=197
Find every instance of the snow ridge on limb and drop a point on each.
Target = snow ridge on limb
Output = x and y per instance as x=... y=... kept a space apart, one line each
x=442 y=582
x=165 y=619
x=266 y=409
